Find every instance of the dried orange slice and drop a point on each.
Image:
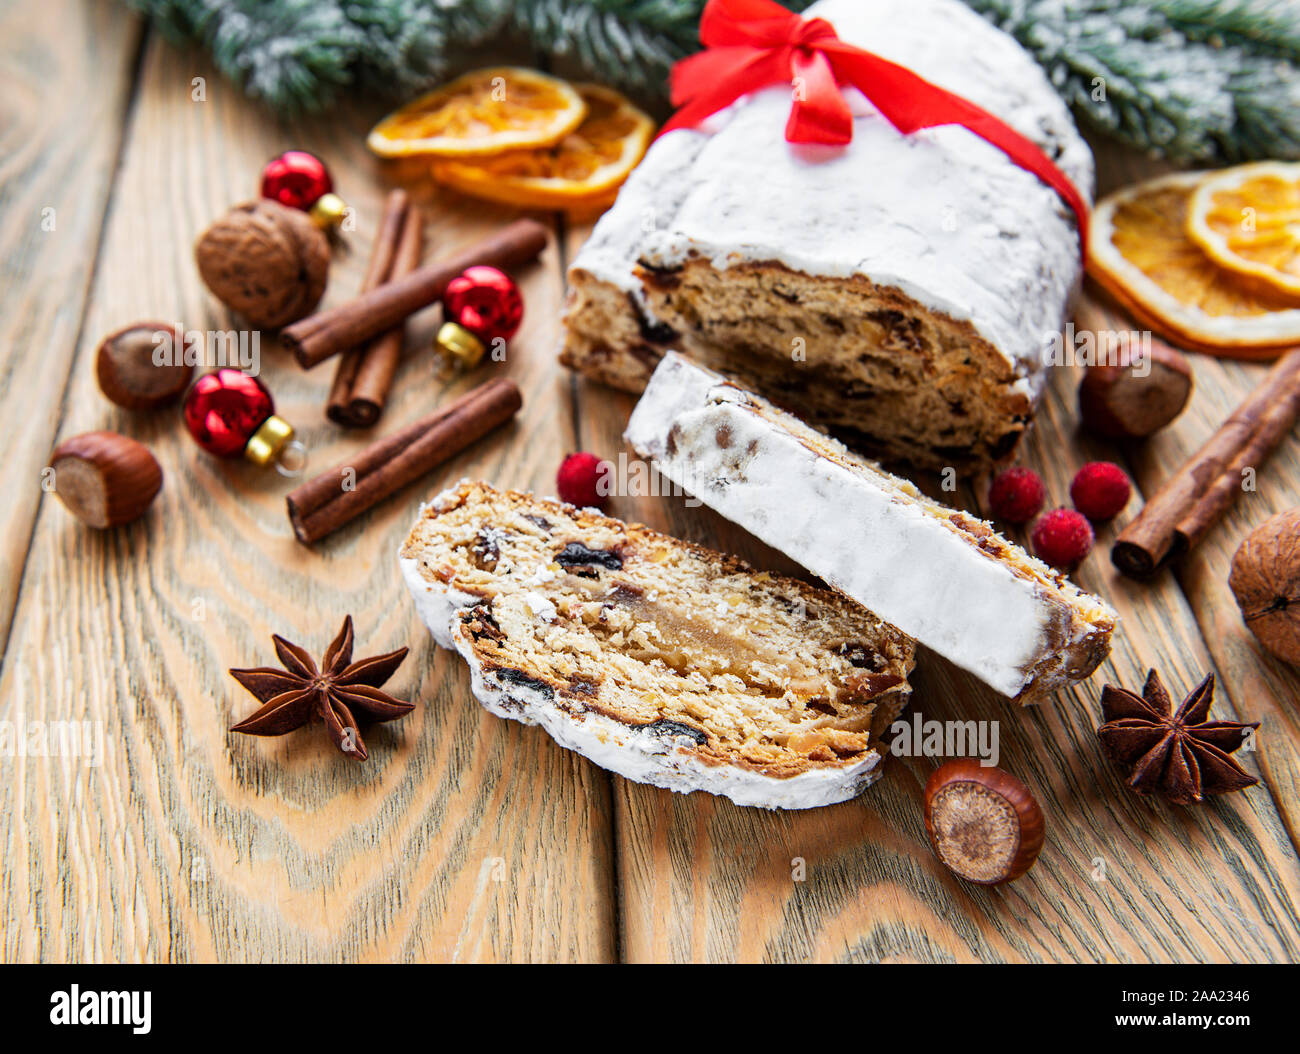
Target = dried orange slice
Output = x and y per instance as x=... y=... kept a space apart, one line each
x=1248 y=220
x=582 y=171
x=1140 y=252
x=481 y=113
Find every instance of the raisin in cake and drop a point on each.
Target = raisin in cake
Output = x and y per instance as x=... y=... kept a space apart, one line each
x=657 y=659
x=901 y=292
x=944 y=577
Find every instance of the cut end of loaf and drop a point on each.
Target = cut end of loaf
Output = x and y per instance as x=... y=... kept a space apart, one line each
x=888 y=375
x=663 y=661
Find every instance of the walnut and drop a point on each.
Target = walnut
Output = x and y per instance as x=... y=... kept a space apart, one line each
x=1265 y=579
x=265 y=261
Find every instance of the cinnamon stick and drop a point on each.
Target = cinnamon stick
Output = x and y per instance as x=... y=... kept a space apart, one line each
x=317 y=337
x=1193 y=499
x=365 y=374
x=379 y=270
x=328 y=501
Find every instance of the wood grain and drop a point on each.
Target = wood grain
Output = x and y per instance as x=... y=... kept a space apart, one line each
x=58 y=150
x=1254 y=684
x=1121 y=878
x=464 y=837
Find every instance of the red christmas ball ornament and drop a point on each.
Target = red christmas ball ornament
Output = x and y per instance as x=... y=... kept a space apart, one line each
x=301 y=181
x=230 y=413
x=482 y=305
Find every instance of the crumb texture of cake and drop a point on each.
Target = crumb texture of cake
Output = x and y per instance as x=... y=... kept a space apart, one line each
x=901 y=292
x=660 y=660
x=942 y=576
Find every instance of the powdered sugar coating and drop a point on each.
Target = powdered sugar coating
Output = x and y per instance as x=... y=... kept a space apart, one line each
x=941 y=215
x=863 y=531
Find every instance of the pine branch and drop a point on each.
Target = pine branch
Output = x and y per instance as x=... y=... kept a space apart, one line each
x=298 y=54
x=295 y=54
x=1196 y=81
x=1264 y=26
x=628 y=44
x=410 y=45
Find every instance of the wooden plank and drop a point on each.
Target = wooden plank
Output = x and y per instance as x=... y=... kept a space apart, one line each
x=1253 y=684
x=463 y=837
x=1121 y=878
x=1260 y=686
x=56 y=167
x=470 y=838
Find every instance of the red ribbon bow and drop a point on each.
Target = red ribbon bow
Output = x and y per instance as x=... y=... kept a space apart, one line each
x=752 y=44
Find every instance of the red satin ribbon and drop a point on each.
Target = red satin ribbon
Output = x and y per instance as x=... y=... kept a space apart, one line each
x=752 y=44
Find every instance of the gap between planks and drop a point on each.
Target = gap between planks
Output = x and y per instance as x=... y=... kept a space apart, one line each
x=104 y=48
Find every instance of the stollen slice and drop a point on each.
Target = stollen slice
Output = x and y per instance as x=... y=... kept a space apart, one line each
x=944 y=577
x=657 y=659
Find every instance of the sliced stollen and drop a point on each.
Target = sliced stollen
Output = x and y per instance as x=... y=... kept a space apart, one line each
x=944 y=577
x=660 y=660
x=923 y=277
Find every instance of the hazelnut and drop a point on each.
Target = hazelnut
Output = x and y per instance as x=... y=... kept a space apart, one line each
x=1118 y=403
x=265 y=261
x=983 y=823
x=105 y=479
x=1265 y=579
x=129 y=371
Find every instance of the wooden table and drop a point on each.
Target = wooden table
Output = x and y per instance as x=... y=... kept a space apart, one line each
x=466 y=837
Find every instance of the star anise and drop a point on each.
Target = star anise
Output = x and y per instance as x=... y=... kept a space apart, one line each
x=293 y=696
x=1182 y=755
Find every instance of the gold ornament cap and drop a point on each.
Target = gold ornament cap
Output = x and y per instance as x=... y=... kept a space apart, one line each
x=328 y=211
x=459 y=344
x=270 y=438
